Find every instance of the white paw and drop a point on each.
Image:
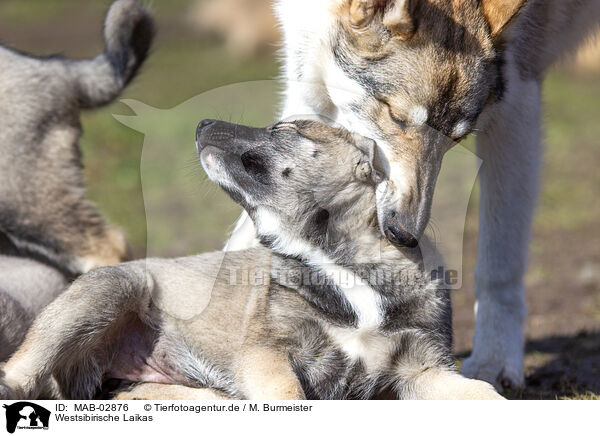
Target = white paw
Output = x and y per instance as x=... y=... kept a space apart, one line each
x=497 y=356
x=478 y=390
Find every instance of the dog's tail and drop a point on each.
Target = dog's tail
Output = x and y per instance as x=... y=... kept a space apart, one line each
x=128 y=35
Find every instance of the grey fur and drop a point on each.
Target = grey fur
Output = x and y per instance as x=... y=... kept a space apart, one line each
x=26 y=287
x=260 y=323
x=42 y=207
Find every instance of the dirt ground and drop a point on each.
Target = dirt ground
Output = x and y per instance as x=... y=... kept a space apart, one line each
x=563 y=327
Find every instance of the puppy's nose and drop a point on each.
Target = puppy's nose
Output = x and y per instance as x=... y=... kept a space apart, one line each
x=201 y=126
x=397 y=233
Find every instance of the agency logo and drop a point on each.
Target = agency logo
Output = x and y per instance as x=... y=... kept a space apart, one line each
x=26 y=416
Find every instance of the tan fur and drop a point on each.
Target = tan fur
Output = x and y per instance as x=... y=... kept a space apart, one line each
x=399 y=19
x=156 y=391
x=439 y=384
x=499 y=13
x=268 y=374
x=105 y=249
x=362 y=11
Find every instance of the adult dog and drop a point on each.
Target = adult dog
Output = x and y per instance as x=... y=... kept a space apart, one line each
x=413 y=74
x=331 y=311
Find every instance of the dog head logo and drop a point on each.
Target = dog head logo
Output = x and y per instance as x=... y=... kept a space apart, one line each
x=25 y=415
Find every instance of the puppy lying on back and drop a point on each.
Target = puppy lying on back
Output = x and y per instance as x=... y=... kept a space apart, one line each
x=42 y=207
x=326 y=309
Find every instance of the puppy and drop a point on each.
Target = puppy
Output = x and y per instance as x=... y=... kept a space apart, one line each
x=326 y=308
x=26 y=287
x=43 y=212
x=48 y=232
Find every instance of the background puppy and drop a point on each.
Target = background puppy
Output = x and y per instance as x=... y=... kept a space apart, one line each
x=48 y=232
x=42 y=207
x=332 y=311
x=26 y=287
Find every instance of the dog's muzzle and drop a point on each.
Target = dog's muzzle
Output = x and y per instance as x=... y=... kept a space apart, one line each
x=201 y=126
x=397 y=233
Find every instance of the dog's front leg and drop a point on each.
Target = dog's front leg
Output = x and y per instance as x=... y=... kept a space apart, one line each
x=265 y=374
x=509 y=146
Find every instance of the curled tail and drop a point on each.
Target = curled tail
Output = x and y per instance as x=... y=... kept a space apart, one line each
x=128 y=35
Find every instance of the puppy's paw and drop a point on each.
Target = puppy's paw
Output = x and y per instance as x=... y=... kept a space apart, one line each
x=442 y=384
x=480 y=390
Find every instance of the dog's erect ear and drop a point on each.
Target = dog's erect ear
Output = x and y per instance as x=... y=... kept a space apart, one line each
x=362 y=12
x=500 y=13
x=399 y=18
x=378 y=167
x=397 y=15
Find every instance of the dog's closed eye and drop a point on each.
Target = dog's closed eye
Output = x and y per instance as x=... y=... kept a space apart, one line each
x=400 y=122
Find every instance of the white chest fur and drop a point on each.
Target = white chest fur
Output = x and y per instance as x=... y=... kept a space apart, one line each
x=366 y=345
x=365 y=302
x=362 y=298
x=360 y=342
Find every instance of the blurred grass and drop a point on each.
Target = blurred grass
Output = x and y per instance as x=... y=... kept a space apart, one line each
x=571 y=181
x=177 y=71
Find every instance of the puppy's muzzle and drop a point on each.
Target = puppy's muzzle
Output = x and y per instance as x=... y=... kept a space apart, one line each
x=231 y=138
x=202 y=125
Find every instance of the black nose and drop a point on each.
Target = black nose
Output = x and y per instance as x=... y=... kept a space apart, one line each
x=201 y=126
x=397 y=233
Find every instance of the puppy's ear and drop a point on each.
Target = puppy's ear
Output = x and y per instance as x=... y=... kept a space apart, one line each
x=362 y=12
x=501 y=13
x=377 y=164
